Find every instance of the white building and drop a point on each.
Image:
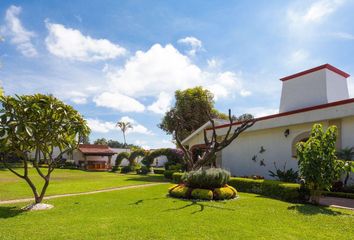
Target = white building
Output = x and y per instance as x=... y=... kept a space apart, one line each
x=318 y=95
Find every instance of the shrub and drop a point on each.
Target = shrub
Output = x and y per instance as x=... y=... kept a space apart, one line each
x=207 y=179
x=284 y=175
x=179 y=191
x=177 y=177
x=271 y=188
x=226 y=192
x=338 y=194
x=204 y=194
x=168 y=173
x=129 y=168
x=144 y=170
x=121 y=156
x=174 y=156
x=159 y=170
x=136 y=153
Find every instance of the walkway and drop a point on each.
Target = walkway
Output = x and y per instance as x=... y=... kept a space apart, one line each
x=82 y=193
x=345 y=203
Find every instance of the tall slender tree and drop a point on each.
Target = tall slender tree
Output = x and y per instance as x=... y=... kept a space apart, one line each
x=124 y=126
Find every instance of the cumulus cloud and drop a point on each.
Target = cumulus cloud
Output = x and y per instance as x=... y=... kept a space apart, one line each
x=160 y=71
x=162 y=104
x=194 y=43
x=119 y=102
x=71 y=44
x=17 y=33
x=137 y=127
x=100 y=126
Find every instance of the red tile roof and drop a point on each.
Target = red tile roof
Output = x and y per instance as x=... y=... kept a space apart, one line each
x=95 y=149
x=328 y=66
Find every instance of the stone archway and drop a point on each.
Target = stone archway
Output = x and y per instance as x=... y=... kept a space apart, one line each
x=302 y=137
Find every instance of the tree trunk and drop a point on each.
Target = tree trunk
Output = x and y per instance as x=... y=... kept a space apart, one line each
x=44 y=189
x=346 y=179
x=315 y=197
x=33 y=188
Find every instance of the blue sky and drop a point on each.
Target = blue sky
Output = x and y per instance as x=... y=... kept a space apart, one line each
x=123 y=60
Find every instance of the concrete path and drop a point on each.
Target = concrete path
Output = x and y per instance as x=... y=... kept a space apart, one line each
x=345 y=203
x=82 y=193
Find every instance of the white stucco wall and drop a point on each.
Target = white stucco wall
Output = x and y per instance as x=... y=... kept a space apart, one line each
x=237 y=157
x=299 y=92
x=337 y=87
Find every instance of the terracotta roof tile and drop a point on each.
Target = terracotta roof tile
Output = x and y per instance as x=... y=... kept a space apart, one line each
x=95 y=149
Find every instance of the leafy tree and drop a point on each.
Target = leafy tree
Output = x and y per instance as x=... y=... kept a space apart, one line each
x=124 y=126
x=101 y=141
x=317 y=160
x=212 y=142
x=117 y=144
x=347 y=155
x=191 y=105
x=38 y=124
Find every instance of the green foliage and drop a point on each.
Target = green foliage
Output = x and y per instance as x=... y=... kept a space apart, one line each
x=191 y=104
x=284 y=175
x=168 y=173
x=39 y=123
x=101 y=141
x=144 y=170
x=136 y=153
x=204 y=194
x=177 y=177
x=338 y=194
x=317 y=160
x=121 y=156
x=270 y=188
x=127 y=169
x=159 y=170
x=174 y=156
x=347 y=155
x=207 y=179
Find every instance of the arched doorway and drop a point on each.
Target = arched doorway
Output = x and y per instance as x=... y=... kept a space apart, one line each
x=302 y=137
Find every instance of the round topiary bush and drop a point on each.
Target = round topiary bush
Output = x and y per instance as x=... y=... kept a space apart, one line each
x=206 y=179
x=208 y=184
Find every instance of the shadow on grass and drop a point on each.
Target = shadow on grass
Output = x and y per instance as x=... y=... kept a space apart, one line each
x=201 y=206
x=141 y=201
x=8 y=212
x=308 y=209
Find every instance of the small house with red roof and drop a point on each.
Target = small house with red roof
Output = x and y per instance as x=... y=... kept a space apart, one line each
x=317 y=95
x=94 y=157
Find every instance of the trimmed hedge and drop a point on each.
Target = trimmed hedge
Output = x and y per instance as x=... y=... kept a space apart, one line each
x=159 y=170
x=338 y=194
x=270 y=188
x=177 y=177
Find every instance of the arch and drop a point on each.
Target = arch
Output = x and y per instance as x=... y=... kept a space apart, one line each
x=174 y=156
x=302 y=137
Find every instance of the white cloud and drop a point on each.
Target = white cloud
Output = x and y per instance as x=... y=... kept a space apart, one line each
x=343 y=35
x=19 y=36
x=137 y=128
x=75 y=96
x=261 y=111
x=160 y=71
x=72 y=44
x=119 y=102
x=315 y=13
x=162 y=104
x=194 y=43
x=99 y=126
x=213 y=63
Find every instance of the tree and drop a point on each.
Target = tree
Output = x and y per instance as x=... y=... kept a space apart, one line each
x=124 y=126
x=347 y=155
x=38 y=124
x=101 y=141
x=317 y=160
x=191 y=105
x=117 y=144
x=213 y=142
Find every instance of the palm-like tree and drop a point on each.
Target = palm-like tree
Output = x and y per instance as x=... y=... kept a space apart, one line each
x=346 y=154
x=124 y=126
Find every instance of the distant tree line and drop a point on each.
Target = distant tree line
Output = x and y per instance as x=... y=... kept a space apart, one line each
x=114 y=144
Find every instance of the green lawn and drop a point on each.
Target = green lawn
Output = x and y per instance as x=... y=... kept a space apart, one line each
x=69 y=181
x=147 y=213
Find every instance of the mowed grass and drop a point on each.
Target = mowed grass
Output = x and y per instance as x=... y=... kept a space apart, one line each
x=68 y=181
x=147 y=213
